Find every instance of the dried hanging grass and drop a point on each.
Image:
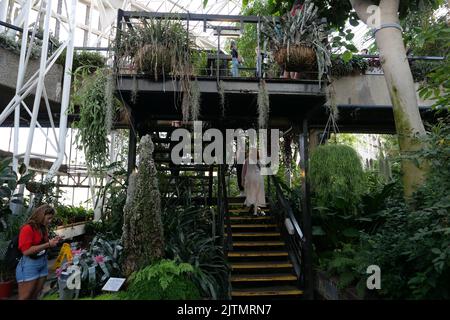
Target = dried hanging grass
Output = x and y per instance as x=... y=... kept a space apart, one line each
x=263 y=105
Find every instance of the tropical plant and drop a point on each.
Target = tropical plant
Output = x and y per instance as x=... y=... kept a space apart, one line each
x=9 y=180
x=299 y=40
x=96 y=264
x=190 y=239
x=70 y=214
x=162 y=47
x=163 y=280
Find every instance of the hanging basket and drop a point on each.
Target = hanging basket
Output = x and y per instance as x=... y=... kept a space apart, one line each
x=300 y=58
x=153 y=59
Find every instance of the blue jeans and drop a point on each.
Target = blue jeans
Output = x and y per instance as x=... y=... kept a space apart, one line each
x=29 y=269
x=234 y=67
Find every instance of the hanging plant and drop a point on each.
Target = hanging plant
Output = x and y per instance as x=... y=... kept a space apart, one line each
x=162 y=48
x=299 y=41
x=263 y=105
x=96 y=106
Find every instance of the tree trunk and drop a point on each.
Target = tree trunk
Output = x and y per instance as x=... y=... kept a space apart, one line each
x=401 y=87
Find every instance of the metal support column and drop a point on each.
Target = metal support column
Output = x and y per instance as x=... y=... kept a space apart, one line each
x=306 y=214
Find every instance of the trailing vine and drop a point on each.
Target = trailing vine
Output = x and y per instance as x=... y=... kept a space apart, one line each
x=96 y=106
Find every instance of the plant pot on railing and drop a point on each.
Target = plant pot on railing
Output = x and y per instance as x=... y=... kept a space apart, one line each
x=297 y=58
x=6 y=288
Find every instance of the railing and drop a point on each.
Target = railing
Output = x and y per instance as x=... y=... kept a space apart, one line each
x=223 y=214
x=289 y=226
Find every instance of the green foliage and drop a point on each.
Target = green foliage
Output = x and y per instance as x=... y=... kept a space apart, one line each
x=339 y=12
x=165 y=280
x=9 y=180
x=91 y=61
x=102 y=258
x=301 y=30
x=70 y=214
x=247 y=43
x=93 y=98
x=410 y=243
x=336 y=176
x=427 y=35
x=114 y=195
x=341 y=68
x=346 y=263
x=189 y=239
x=13 y=45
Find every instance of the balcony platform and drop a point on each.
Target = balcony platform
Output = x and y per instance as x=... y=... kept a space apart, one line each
x=161 y=100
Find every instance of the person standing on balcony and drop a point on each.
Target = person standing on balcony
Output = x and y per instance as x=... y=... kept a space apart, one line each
x=235 y=59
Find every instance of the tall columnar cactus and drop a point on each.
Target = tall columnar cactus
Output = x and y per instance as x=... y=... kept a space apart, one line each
x=143 y=237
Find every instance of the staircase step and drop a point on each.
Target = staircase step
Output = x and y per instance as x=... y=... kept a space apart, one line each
x=250 y=218
x=267 y=291
x=245 y=210
x=263 y=277
x=256 y=225
x=245 y=254
x=260 y=265
x=257 y=243
x=255 y=234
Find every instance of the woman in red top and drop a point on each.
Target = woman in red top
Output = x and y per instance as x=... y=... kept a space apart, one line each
x=32 y=269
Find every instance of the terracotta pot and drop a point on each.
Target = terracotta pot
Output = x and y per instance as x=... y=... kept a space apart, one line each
x=6 y=289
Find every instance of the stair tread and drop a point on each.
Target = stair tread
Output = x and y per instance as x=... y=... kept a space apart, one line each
x=263 y=264
x=257 y=254
x=257 y=243
x=250 y=218
x=267 y=291
x=254 y=234
x=255 y=225
x=263 y=277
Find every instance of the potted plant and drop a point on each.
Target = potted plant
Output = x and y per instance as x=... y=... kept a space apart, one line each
x=158 y=46
x=6 y=276
x=299 y=40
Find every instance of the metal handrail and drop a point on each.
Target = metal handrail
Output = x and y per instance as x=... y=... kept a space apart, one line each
x=287 y=208
x=295 y=241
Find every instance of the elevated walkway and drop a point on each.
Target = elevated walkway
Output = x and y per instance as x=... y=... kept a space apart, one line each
x=9 y=66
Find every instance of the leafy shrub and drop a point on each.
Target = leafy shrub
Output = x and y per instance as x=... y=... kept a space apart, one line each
x=189 y=239
x=341 y=68
x=336 y=176
x=70 y=214
x=165 y=280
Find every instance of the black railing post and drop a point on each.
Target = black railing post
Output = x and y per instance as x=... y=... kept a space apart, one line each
x=132 y=148
x=306 y=214
x=118 y=39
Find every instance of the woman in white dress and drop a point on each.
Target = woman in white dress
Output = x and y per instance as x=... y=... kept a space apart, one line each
x=253 y=183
